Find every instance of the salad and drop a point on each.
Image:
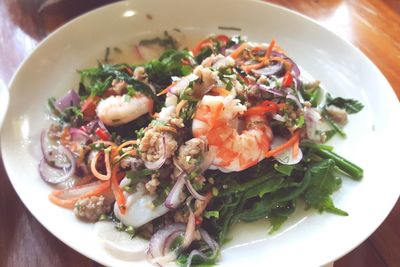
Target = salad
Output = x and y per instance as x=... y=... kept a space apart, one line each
x=177 y=150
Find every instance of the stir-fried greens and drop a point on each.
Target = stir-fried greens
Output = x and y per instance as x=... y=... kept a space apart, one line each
x=179 y=149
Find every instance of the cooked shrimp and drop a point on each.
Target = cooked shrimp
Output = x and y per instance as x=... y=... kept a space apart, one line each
x=118 y=110
x=218 y=119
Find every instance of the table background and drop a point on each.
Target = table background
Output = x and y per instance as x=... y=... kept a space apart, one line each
x=371 y=25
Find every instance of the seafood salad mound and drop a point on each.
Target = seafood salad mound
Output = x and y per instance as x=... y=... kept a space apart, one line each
x=177 y=150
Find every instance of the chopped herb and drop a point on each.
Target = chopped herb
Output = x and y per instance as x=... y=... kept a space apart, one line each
x=106 y=55
x=117 y=50
x=167 y=41
x=211 y=213
x=350 y=105
x=229 y=28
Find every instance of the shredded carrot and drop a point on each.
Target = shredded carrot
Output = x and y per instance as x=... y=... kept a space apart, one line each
x=180 y=105
x=295 y=138
x=84 y=180
x=127 y=143
x=117 y=190
x=238 y=50
x=296 y=147
x=166 y=90
x=70 y=203
x=107 y=162
x=248 y=68
x=220 y=91
x=268 y=52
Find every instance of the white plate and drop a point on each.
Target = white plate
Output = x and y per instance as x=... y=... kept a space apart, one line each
x=309 y=239
x=4 y=98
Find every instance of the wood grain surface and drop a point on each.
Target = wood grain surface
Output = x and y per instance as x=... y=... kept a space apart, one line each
x=371 y=25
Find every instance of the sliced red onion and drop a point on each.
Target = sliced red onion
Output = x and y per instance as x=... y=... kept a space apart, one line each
x=47 y=4
x=56 y=175
x=69 y=100
x=315 y=124
x=190 y=228
x=169 y=240
x=155 y=165
x=270 y=89
x=298 y=84
x=51 y=154
x=193 y=192
x=174 y=197
x=91 y=126
x=47 y=155
x=78 y=135
x=210 y=242
x=176 y=164
x=158 y=246
x=81 y=170
x=286 y=157
x=295 y=68
x=295 y=99
x=274 y=68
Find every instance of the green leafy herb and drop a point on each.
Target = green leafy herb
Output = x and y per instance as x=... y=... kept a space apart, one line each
x=229 y=28
x=284 y=169
x=323 y=182
x=167 y=41
x=107 y=55
x=169 y=64
x=350 y=105
x=95 y=81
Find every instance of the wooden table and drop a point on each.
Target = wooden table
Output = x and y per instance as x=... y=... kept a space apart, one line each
x=372 y=25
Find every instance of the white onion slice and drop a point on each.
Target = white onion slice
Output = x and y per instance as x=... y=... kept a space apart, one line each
x=57 y=175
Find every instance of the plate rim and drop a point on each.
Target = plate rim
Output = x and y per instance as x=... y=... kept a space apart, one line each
x=98 y=10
